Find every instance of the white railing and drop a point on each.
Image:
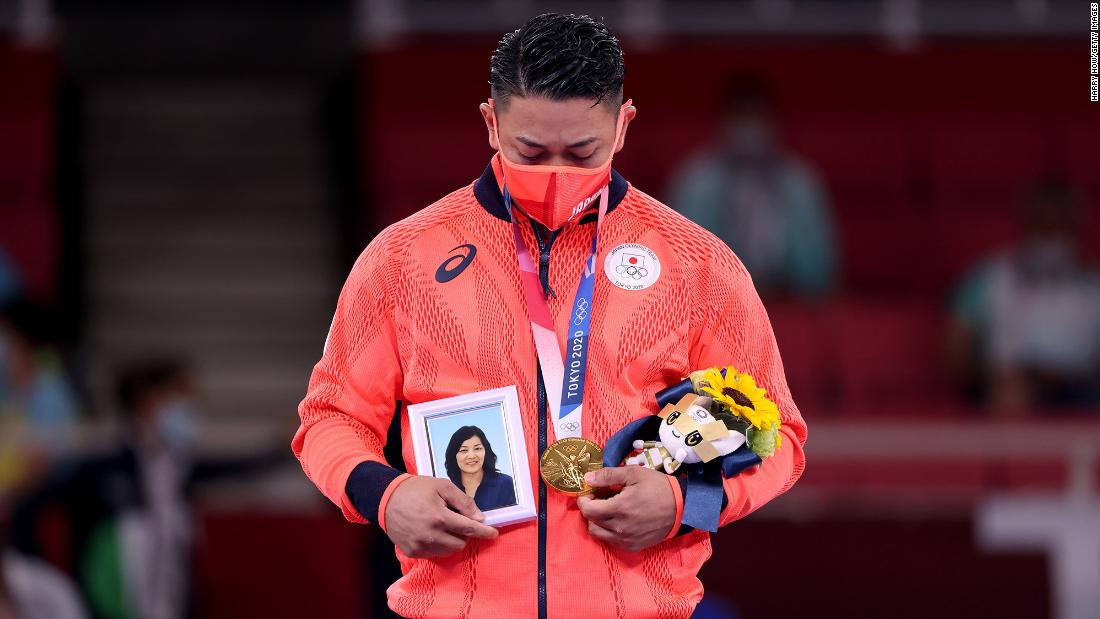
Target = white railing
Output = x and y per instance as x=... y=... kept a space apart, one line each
x=901 y=22
x=1061 y=522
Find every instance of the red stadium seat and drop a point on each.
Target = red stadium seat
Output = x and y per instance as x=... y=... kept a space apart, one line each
x=280 y=565
x=26 y=150
x=901 y=477
x=1078 y=144
x=865 y=163
x=968 y=234
x=886 y=248
x=28 y=230
x=888 y=355
x=800 y=331
x=987 y=162
x=28 y=234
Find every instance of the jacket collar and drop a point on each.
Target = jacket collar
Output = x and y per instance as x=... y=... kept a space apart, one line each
x=488 y=194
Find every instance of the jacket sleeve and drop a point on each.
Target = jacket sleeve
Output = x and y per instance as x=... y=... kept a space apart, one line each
x=354 y=390
x=729 y=326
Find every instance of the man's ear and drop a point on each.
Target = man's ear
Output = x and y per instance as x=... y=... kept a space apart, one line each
x=490 y=123
x=628 y=115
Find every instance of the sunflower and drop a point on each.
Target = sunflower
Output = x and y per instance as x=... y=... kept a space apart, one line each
x=738 y=393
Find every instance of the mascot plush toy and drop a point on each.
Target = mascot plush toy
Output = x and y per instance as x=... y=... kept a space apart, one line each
x=712 y=425
x=689 y=433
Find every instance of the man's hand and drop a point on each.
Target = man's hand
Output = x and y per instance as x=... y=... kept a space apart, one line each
x=420 y=521
x=636 y=518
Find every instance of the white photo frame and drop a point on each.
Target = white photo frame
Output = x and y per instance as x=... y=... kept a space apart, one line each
x=444 y=425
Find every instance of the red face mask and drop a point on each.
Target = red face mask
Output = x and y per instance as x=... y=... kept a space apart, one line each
x=554 y=195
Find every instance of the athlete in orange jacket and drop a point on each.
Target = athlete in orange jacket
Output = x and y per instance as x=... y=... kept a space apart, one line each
x=435 y=307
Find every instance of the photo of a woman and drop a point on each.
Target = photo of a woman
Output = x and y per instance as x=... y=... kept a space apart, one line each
x=472 y=466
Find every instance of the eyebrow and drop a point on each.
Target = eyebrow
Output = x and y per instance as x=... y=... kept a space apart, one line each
x=534 y=144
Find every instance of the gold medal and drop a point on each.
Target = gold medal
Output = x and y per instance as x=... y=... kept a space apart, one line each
x=565 y=462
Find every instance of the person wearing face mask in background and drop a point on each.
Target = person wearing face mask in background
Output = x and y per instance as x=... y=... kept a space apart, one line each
x=1025 y=328
x=38 y=430
x=128 y=512
x=38 y=404
x=763 y=201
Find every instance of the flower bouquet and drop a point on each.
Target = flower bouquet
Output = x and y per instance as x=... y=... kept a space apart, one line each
x=714 y=424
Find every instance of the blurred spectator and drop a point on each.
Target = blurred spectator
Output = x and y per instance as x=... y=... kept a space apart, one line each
x=128 y=513
x=1026 y=320
x=762 y=200
x=38 y=405
x=33 y=589
x=10 y=282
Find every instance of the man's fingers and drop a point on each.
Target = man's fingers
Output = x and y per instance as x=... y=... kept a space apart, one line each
x=467 y=522
x=459 y=500
x=439 y=543
x=460 y=525
x=447 y=543
x=599 y=510
x=612 y=476
x=605 y=535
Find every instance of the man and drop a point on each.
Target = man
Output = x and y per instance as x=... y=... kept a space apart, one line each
x=762 y=200
x=38 y=404
x=129 y=512
x=453 y=300
x=128 y=502
x=1025 y=329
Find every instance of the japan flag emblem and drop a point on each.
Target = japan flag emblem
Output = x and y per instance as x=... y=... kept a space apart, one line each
x=632 y=266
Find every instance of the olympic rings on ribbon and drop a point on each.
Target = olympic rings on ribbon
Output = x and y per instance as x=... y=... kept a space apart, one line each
x=581 y=312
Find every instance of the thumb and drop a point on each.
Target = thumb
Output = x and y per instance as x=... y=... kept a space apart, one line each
x=611 y=476
x=459 y=500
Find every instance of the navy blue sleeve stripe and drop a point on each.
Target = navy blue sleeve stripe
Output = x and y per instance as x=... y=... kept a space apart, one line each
x=366 y=485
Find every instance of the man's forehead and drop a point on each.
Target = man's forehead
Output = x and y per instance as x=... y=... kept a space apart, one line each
x=569 y=120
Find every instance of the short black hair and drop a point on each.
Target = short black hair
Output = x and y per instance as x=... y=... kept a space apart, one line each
x=558 y=57
x=1052 y=189
x=139 y=378
x=461 y=435
x=747 y=91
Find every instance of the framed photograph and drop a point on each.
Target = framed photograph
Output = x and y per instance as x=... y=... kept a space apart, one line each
x=476 y=441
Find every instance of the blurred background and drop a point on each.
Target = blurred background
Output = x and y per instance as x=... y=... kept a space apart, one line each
x=184 y=185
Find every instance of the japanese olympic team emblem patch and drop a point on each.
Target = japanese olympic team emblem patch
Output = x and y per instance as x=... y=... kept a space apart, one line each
x=631 y=266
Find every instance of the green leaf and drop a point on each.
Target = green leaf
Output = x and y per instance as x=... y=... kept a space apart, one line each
x=762 y=442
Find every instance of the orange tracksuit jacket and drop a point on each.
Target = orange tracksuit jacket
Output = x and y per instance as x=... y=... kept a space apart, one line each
x=409 y=328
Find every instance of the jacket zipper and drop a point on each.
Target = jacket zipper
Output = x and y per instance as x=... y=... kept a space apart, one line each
x=545 y=239
x=542 y=496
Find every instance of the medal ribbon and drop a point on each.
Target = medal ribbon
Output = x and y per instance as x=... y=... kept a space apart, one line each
x=564 y=393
